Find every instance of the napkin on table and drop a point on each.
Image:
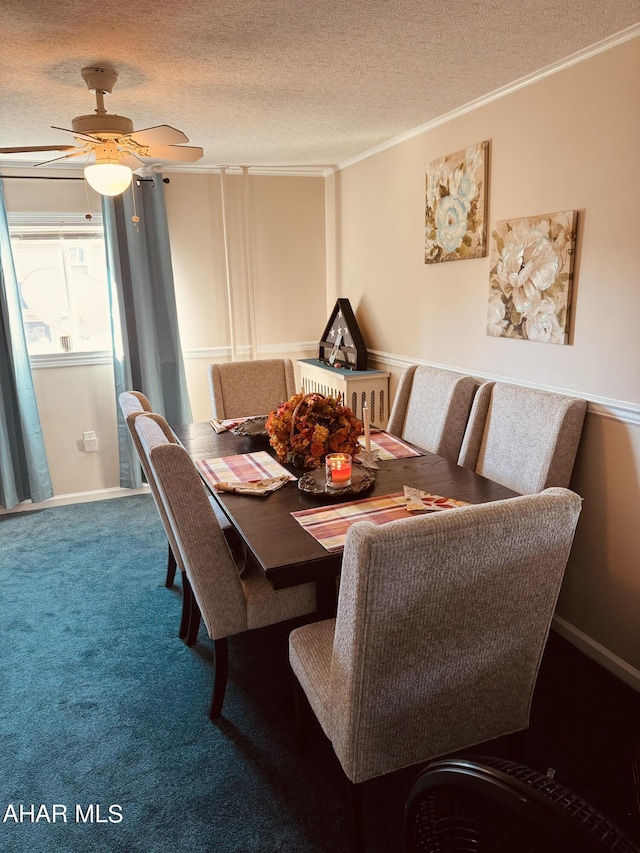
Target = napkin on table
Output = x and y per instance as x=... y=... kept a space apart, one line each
x=253 y=487
x=223 y=426
x=419 y=501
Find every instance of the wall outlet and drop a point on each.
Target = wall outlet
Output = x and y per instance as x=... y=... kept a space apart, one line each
x=89 y=441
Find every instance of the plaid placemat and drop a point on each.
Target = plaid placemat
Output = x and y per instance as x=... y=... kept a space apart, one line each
x=329 y=524
x=390 y=447
x=244 y=467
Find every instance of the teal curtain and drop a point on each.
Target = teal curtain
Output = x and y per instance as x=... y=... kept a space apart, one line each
x=24 y=471
x=147 y=356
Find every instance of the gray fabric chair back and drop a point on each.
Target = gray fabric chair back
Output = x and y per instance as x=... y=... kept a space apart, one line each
x=202 y=550
x=133 y=403
x=243 y=388
x=431 y=408
x=522 y=437
x=441 y=625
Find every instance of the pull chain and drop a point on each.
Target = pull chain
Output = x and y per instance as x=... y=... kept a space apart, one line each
x=87 y=215
x=135 y=218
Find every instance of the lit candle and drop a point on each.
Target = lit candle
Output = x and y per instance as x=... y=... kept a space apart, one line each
x=367 y=428
x=338 y=468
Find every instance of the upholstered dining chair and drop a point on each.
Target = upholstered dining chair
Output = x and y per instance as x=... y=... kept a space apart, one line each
x=431 y=408
x=524 y=438
x=439 y=632
x=132 y=404
x=228 y=602
x=240 y=388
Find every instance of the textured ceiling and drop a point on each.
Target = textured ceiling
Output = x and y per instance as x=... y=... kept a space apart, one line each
x=280 y=82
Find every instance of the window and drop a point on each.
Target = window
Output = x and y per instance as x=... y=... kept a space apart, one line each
x=62 y=276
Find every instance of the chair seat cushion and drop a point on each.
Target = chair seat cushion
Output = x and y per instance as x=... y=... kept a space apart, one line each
x=310 y=651
x=266 y=606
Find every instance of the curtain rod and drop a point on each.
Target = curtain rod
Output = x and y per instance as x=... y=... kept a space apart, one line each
x=38 y=178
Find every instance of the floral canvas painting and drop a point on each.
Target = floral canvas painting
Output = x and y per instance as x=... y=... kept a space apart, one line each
x=455 y=206
x=530 y=278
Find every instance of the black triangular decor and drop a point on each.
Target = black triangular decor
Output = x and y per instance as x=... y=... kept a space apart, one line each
x=342 y=344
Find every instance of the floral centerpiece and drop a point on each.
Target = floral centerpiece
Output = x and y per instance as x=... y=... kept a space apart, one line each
x=308 y=426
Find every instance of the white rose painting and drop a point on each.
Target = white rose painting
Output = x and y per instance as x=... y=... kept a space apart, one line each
x=530 y=278
x=455 y=206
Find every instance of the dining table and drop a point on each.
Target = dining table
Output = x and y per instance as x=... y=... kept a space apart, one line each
x=269 y=525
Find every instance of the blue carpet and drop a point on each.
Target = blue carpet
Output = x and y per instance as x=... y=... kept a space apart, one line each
x=102 y=705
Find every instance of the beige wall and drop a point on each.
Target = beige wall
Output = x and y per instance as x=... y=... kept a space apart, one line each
x=286 y=244
x=73 y=400
x=569 y=142
x=287 y=230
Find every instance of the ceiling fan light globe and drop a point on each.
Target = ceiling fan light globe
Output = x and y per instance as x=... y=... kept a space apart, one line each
x=109 y=179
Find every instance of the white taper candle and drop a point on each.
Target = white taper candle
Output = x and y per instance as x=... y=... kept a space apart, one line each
x=367 y=428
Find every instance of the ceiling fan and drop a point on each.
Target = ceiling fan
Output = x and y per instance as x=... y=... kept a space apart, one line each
x=110 y=139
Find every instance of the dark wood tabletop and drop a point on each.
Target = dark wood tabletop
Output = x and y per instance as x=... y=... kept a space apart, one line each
x=287 y=554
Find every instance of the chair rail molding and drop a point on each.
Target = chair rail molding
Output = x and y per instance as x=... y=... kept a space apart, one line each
x=621 y=411
x=244 y=350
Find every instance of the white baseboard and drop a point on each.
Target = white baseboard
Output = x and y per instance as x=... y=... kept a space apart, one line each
x=592 y=649
x=76 y=498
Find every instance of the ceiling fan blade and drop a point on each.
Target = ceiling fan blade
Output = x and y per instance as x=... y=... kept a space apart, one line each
x=84 y=136
x=131 y=160
x=77 y=152
x=163 y=134
x=28 y=148
x=184 y=153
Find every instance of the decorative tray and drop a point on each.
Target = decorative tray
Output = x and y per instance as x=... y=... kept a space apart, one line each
x=252 y=428
x=315 y=483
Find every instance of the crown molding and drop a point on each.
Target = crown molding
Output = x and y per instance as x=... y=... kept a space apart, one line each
x=573 y=59
x=171 y=169
x=266 y=171
x=168 y=168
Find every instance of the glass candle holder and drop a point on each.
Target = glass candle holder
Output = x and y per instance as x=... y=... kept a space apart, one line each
x=338 y=468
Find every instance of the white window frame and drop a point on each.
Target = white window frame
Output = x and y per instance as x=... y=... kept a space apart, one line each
x=44 y=223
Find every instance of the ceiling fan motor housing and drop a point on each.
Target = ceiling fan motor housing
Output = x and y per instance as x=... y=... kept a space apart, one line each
x=100 y=81
x=104 y=124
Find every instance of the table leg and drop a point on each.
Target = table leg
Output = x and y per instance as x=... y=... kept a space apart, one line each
x=326 y=598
